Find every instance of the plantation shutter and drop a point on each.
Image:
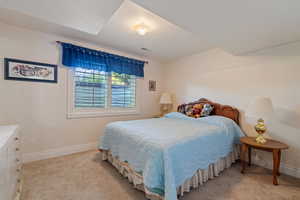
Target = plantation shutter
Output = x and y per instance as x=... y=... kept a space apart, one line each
x=90 y=88
x=97 y=89
x=123 y=92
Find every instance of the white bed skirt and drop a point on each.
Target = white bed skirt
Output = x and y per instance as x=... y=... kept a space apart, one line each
x=198 y=179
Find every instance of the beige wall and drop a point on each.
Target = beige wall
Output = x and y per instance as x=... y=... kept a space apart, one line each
x=236 y=80
x=41 y=108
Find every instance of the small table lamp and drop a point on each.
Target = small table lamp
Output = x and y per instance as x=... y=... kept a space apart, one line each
x=165 y=101
x=261 y=108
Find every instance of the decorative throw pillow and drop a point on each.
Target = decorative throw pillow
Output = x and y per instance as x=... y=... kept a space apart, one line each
x=189 y=110
x=181 y=109
x=197 y=108
x=206 y=110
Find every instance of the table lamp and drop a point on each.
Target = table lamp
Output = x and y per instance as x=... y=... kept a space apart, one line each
x=261 y=108
x=165 y=101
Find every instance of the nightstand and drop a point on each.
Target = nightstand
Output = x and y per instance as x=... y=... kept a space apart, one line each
x=271 y=146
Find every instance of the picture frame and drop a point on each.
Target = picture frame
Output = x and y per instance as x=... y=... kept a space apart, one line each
x=22 y=70
x=152 y=85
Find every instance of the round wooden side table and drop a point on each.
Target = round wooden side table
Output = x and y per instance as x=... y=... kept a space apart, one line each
x=271 y=146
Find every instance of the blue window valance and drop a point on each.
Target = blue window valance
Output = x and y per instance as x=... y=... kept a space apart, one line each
x=76 y=56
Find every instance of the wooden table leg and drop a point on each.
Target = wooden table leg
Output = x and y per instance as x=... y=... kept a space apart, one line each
x=276 y=163
x=249 y=156
x=243 y=157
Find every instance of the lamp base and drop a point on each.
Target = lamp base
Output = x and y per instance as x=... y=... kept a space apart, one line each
x=164 y=109
x=260 y=139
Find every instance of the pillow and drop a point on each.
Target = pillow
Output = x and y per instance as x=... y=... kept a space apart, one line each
x=181 y=109
x=188 y=109
x=197 y=108
x=176 y=115
x=206 y=110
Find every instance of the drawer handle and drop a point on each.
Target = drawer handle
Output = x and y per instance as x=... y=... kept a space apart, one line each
x=16 y=138
x=19 y=180
x=17 y=149
x=17 y=160
x=18 y=170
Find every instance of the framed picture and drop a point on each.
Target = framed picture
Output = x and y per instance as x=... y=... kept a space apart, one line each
x=152 y=85
x=22 y=70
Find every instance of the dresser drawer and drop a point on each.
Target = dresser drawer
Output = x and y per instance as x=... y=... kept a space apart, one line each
x=10 y=161
x=4 y=171
x=14 y=163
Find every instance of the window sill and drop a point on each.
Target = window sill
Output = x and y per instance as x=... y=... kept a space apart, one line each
x=82 y=114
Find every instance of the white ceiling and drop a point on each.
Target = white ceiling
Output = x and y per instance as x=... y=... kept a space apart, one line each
x=234 y=25
x=84 y=15
x=177 y=28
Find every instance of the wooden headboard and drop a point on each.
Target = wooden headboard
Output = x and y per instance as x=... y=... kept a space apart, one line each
x=222 y=110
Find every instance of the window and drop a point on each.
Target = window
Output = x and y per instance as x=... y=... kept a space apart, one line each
x=98 y=93
x=90 y=88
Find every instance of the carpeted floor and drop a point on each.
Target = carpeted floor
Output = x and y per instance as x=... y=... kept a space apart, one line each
x=84 y=176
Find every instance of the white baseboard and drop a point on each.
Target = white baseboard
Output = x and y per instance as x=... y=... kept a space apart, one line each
x=51 y=153
x=284 y=169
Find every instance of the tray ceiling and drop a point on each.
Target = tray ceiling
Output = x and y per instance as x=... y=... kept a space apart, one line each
x=177 y=28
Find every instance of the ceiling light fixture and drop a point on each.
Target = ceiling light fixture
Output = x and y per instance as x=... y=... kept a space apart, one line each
x=141 y=29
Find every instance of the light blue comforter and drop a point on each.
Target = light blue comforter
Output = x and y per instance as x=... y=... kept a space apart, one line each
x=169 y=150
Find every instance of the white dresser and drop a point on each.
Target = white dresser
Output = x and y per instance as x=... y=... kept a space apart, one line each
x=10 y=163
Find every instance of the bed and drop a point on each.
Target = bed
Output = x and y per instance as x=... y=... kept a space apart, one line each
x=165 y=157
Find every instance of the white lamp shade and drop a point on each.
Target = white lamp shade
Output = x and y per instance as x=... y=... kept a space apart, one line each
x=165 y=99
x=261 y=107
